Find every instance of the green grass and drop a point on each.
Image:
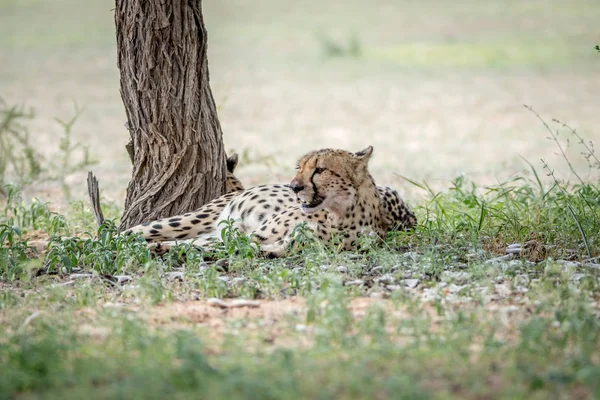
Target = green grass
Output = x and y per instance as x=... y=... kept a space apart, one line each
x=476 y=325
x=459 y=351
x=439 y=312
x=469 y=35
x=515 y=53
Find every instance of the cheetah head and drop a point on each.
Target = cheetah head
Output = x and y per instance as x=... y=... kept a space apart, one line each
x=329 y=179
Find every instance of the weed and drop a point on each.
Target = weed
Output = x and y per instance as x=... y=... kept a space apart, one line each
x=152 y=288
x=338 y=49
x=183 y=254
x=107 y=254
x=67 y=148
x=237 y=243
x=302 y=237
x=18 y=158
x=36 y=216
x=8 y=299
x=22 y=163
x=327 y=309
x=13 y=252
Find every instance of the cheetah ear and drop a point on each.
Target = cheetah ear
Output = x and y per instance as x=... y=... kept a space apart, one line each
x=232 y=162
x=364 y=154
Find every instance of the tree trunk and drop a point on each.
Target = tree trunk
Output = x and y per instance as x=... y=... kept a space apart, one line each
x=176 y=142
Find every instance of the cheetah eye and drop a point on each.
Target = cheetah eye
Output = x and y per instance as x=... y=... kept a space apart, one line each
x=319 y=170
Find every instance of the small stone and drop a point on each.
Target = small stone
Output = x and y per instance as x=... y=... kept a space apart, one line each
x=568 y=264
x=386 y=279
x=80 y=276
x=356 y=282
x=577 y=277
x=393 y=288
x=377 y=270
x=500 y=259
x=341 y=269
x=409 y=273
x=237 y=281
x=510 y=309
x=459 y=277
x=67 y=283
x=237 y=303
x=592 y=265
x=410 y=283
x=503 y=289
x=453 y=288
x=411 y=255
x=174 y=275
x=324 y=268
x=521 y=289
x=110 y=304
x=521 y=280
x=123 y=278
x=221 y=264
x=201 y=270
x=214 y=302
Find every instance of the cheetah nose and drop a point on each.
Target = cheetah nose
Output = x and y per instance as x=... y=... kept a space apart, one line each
x=296 y=187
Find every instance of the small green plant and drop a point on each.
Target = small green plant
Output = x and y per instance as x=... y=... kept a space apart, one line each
x=35 y=216
x=302 y=237
x=13 y=252
x=328 y=310
x=183 y=254
x=338 y=49
x=19 y=160
x=236 y=243
x=8 y=299
x=22 y=164
x=584 y=206
x=107 y=253
x=67 y=148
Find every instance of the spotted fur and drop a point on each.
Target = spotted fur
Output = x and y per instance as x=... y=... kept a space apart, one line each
x=332 y=192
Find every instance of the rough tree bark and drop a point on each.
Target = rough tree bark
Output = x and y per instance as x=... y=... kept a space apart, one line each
x=176 y=142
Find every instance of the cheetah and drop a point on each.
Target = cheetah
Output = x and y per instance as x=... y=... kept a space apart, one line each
x=394 y=211
x=332 y=192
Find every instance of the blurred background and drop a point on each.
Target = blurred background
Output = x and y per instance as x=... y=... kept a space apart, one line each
x=437 y=87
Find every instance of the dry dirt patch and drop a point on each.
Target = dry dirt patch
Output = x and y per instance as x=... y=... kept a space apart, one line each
x=280 y=323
